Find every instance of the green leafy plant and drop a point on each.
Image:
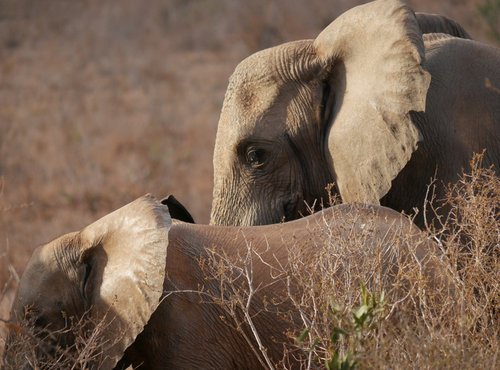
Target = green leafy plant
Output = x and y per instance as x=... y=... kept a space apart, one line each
x=363 y=321
x=350 y=330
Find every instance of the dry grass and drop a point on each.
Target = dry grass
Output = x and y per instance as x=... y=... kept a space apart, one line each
x=77 y=346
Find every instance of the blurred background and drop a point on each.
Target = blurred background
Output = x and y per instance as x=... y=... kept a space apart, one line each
x=103 y=101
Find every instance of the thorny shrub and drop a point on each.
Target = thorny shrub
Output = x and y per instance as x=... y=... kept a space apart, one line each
x=77 y=346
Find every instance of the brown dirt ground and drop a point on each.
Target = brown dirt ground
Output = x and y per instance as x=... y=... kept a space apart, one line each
x=101 y=102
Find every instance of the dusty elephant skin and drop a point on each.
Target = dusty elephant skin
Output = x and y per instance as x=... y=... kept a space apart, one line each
x=371 y=105
x=118 y=271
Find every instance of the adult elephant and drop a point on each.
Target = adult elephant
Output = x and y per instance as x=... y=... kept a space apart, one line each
x=370 y=105
x=138 y=305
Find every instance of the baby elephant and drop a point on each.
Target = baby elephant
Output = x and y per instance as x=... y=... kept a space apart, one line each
x=144 y=290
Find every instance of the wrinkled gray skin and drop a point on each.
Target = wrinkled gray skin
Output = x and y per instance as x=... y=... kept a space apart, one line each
x=120 y=265
x=370 y=105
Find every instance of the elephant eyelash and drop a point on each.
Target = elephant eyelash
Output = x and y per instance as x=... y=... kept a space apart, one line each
x=255 y=157
x=252 y=155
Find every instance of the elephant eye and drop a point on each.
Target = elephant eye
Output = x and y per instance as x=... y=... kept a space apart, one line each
x=255 y=157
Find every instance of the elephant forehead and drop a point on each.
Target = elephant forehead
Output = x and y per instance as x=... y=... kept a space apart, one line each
x=260 y=80
x=279 y=64
x=257 y=68
x=249 y=95
x=42 y=274
x=45 y=257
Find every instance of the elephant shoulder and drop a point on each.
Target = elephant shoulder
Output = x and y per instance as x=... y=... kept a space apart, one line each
x=433 y=41
x=440 y=44
x=447 y=57
x=356 y=214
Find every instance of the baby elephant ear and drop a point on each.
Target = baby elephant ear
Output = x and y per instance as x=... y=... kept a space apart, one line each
x=177 y=209
x=374 y=54
x=128 y=259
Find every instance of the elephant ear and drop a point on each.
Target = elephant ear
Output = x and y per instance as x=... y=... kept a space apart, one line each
x=435 y=23
x=177 y=209
x=374 y=53
x=127 y=255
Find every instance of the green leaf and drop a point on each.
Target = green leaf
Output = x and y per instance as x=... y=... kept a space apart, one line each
x=335 y=307
x=361 y=311
x=337 y=332
x=339 y=362
x=330 y=363
x=303 y=335
x=365 y=296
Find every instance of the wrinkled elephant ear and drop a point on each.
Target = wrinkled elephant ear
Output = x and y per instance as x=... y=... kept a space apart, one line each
x=127 y=258
x=374 y=52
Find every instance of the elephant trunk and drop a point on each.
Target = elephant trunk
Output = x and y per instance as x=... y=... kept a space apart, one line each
x=233 y=206
x=245 y=215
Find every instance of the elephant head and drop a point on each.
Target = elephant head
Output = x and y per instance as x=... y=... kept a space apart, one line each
x=111 y=272
x=335 y=109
